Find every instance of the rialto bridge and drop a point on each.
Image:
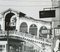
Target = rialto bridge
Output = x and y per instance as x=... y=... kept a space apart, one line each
x=20 y=33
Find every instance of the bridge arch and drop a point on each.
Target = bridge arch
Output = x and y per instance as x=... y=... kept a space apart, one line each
x=40 y=32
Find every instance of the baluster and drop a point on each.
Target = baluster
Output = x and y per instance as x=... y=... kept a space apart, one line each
x=24 y=34
x=20 y=33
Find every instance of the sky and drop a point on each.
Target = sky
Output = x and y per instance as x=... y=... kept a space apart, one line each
x=30 y=7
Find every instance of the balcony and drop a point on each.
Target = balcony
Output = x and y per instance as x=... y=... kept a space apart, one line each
x=26 y=36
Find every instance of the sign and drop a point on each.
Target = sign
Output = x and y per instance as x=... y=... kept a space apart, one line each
x=47 y=14
x=45 y=31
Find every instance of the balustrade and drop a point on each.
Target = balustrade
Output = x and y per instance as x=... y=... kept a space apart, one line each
x=25 y=35
x=3 y=33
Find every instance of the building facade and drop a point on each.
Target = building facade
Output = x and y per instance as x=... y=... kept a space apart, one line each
x=20 y=33
x=56 y=25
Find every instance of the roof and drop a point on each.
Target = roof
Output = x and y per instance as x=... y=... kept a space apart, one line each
x=31 y=18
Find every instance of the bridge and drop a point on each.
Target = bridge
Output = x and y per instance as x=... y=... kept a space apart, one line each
x=26 y=36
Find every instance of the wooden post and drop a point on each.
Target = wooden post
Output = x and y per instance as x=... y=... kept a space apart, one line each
x=8 y=40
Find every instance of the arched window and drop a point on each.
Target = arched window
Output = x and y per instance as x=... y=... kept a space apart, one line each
x=23 y=27
x=33 y=29
x=43 y=33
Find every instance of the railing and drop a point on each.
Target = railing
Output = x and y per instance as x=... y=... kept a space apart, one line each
x=25 y=35
x=3 y=33
x=29 y=36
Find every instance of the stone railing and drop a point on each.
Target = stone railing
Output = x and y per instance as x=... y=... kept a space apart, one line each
x=25 y=35
x=28 y=36
x=3 y=33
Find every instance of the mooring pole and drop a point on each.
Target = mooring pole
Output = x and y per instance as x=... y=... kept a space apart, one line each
x=8 y=41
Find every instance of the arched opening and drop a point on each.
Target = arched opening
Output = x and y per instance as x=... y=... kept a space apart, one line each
x=33 y=29
x=23 y=27
x=8 y=21
x=43 y=33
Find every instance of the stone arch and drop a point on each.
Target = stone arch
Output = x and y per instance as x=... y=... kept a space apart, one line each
x=42 y=34
x=6 y=13
x=24 y=27
x=8 y=17
x=33 y=29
